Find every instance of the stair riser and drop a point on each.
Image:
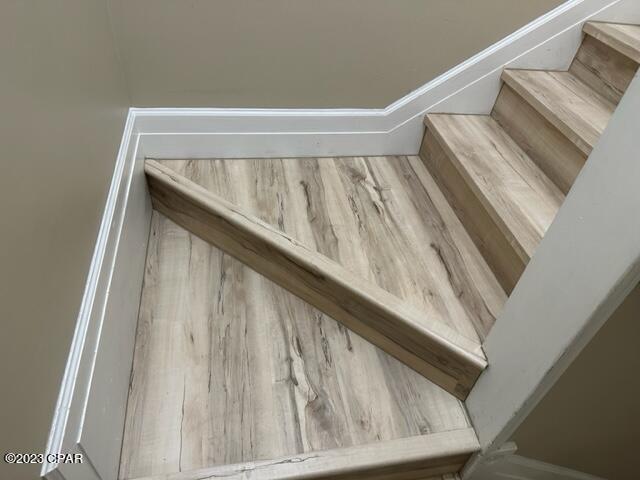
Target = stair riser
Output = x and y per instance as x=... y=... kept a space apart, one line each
x=541 y=140
x=499 y=253
x=604 y=69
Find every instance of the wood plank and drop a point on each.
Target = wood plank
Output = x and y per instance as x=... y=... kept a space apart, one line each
x=430 y=347
x=603 y=68
x=553 y=152
x=349 y=209
x=571 y=106
x=499 y=253
x=521 y=200
x=374 y=216
x=474 y=284
x=621 y=37
x=229 y=368
x=404 y=459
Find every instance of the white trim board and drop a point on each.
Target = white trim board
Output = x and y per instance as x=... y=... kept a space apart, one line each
x=549 y=42
x=88 y=419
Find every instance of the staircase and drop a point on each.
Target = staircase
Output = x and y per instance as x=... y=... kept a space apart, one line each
x=506 y=174
x=324 y=317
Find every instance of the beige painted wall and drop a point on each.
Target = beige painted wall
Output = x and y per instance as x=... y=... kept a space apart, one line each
x=302 y=53
x=63 y=109
x=589 y=421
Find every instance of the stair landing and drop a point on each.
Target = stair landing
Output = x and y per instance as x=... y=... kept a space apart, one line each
x=382 y=218
x=230 y=368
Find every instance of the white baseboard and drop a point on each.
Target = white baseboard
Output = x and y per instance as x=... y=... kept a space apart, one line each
x=89 y=413
x=550 y=42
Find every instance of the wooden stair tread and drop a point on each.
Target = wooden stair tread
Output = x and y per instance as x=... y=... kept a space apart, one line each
x=408 y=458
x=419 y=340
x=517 y=194
x=621 y=37
x=571 y=106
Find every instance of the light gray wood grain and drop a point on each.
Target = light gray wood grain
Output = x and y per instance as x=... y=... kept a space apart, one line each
x=231 y=368
x=484 y=231
x=516 y=193
x=622 y=37
x=603 y=68
x=571 y=106
x=553 y=152
x=556 y=117
x=374 y=216
x=419 y=339
x=411 y=458
x=518 y=197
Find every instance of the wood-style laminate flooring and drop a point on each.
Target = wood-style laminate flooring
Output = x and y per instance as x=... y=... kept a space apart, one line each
x=230 y=367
